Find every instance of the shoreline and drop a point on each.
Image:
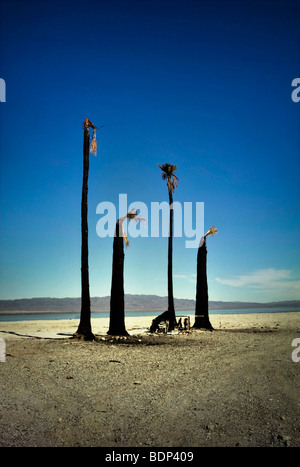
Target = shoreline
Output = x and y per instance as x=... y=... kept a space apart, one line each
x=212 y=311
x=293 y=305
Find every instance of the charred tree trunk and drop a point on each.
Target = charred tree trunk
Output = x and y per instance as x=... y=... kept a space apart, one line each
x=84 y=330
x=201 y=308
x=171 y=309
x=117 y=305
x=168 y=315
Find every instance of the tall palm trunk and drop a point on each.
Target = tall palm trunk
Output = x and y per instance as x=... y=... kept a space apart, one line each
x=84 y=330
x=201 y=308
x=171 y=309
x=169 y=315
x=117 y=304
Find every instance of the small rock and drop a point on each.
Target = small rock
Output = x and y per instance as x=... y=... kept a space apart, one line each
x=210 y=427
x=284 y=439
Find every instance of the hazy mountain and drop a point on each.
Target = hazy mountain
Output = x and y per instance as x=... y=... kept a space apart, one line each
x=132 y=303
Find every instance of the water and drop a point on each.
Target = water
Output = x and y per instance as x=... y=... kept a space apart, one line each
x=57 y=316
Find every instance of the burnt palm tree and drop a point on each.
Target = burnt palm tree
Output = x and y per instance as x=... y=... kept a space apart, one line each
x=201 y=308
x=117 y=303
x=84 y=330
x=169 y=175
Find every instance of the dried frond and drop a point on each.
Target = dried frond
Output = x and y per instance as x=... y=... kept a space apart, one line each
x=125 y=238
x=93 y=147
x=122 y=232
x=86 y=125
x=212 y=231
x=131 y=216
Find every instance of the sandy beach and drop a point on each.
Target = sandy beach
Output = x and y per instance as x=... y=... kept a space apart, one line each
x=235 y=386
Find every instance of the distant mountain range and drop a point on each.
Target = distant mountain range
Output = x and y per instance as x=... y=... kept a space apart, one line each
x=132 y=303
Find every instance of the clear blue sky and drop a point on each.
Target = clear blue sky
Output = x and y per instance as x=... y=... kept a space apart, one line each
x=200 y=84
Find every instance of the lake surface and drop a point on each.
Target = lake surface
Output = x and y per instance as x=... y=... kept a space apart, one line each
x=56 y=316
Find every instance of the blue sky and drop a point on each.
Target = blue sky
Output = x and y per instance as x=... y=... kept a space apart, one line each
x=200 y=84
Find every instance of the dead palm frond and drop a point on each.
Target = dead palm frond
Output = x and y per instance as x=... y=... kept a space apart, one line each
x=212 y=231
x=93 y=147
x=168 y=174
x=87 y=124
x=131 y=216
x=125 y=238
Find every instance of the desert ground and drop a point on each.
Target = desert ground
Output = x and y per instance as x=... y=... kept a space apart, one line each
x=236 y=386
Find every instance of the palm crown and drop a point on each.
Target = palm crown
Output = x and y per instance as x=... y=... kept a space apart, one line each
x=131 y=215
x=212 y=231
x=168 y=174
